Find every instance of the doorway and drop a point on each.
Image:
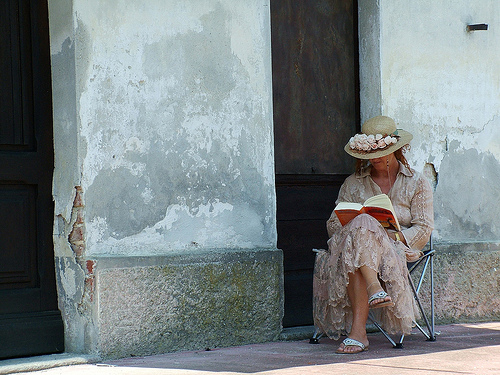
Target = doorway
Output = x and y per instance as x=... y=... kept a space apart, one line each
x=316 y=111
x=30 y=322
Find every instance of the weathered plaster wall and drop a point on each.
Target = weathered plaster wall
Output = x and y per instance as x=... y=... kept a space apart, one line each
x=80 y=328
x=369 y=51
x=175 y=123
x=163 y=143
x=442 y=83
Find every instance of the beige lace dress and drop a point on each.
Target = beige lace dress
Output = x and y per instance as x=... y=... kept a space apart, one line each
x=363 y=241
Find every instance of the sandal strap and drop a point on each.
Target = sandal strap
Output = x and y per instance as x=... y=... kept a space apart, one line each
x=379 y=295
x=351 y=342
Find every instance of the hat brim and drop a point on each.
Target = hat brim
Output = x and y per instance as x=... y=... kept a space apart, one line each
x=404 y=138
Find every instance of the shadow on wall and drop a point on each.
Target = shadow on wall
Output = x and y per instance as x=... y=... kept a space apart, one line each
x=464 y=204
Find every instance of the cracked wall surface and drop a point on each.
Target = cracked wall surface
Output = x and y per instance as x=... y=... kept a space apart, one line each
x=175 y=126
x=420 y=65
x=163 y=123
x=441 y=83
x=163 y=118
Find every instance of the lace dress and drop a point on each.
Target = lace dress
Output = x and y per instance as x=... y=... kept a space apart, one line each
x=363 y=241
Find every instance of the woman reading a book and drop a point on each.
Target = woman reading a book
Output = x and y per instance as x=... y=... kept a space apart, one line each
x=365 y=264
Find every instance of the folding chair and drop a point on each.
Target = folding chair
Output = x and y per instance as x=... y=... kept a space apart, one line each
x=424 y=264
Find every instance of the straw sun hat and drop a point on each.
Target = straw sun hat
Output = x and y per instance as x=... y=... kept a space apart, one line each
x=379 y=137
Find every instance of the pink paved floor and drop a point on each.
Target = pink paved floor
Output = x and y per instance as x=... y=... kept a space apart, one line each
x=459 y=349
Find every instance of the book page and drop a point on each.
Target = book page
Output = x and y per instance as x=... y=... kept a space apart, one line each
x=381 y=200
x=378 y=206
x=348 y=206
x=346 y=211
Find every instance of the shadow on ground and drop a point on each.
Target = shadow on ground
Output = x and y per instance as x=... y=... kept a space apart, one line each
x=286 y=355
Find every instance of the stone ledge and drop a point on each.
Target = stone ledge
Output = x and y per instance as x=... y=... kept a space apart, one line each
x=38 y=363
x=160 y=304
x=296 y=333
x=185 y=257
x=462 y=247
x=466 y=278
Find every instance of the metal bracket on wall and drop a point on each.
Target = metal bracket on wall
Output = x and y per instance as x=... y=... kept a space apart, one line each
x=477 y=26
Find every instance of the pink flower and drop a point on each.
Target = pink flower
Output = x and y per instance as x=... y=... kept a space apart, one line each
x=352 y=143
x=365 y=142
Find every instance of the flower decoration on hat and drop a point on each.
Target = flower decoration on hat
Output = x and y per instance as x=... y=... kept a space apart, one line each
x=379 y=137
x=364 y=142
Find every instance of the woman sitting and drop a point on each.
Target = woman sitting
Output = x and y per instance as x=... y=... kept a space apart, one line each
x=365 y=264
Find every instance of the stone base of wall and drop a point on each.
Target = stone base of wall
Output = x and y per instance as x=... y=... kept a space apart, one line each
x=152 y=305
x=193 y=301
x=467 y=282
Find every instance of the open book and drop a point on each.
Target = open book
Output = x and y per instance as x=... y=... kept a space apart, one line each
x=378 y=206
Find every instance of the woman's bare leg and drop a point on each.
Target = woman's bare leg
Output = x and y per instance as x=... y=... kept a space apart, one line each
x=373 y=285
x=356 y=290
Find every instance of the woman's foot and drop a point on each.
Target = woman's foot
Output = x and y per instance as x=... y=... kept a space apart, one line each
x=378 y=297
x=353 y=346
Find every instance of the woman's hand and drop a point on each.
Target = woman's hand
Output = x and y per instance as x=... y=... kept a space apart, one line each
x=397 y=236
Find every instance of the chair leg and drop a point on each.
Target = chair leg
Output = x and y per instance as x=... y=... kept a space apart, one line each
x=394 y=344
x=399 y=345
x=428 y=335
x=317 y=335
x=432 y=332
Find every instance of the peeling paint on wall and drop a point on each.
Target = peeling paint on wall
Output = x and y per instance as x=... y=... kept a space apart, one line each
x=76 y=237
x=163 y=119
x=75 y=279
x=442 y=84
x=176 y=122
x=467 y=204
x=431 y=174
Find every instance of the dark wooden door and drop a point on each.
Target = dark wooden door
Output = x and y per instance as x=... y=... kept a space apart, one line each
x=30 y=322
x=316 y=110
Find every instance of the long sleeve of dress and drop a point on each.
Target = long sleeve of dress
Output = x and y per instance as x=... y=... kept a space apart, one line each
x=422 y=216
x=411 y=196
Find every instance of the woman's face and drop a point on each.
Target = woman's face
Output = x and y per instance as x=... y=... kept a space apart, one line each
x=380 y=164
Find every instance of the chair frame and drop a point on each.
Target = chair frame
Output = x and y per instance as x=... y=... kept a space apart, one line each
x=425 y=262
